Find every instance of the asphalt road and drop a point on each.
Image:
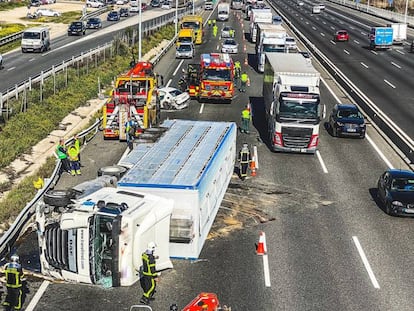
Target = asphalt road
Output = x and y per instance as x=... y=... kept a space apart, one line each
x=321 y=207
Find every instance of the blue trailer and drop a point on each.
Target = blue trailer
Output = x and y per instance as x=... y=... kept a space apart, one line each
x=380 y=37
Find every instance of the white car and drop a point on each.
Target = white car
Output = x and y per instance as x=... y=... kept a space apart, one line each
x=134 y=8
x=172 y=98
x=185 y=50
x=229 y=46
x=120 y=2
x=300 y=3
x=227 y=32
x=94 y=4
x=166 y=5
x=290 y=44
x=47 y=12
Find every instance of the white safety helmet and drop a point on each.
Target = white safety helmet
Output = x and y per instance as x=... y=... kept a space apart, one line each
x=151 y=246
x=15 y=258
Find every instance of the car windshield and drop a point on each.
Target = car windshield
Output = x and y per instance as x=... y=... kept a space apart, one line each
x=31 y=35
x=77 y=24
x=229 y=42
x=349 y=114
x=93 y=20
x=217 y=74
x=402 y=184
x=184 y=48
x=226 y=28
x=342 y=33
x=175 y=93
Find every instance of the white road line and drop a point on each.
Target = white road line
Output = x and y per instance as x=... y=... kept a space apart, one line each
x=178 y=67
x=324 y=22
x=389 y=83
x=380 y=153
x=356 y=41
x=37 y=296
x=322 y=34
x=307 y=23
x=373 y=52
x=313 y=27
x=341 y=22
x=396 y=65
x=401 y=52
x=351 y=27
x=266 y=269
x=10 y=69
x=333 y=42
x=168 y=83
x=366 y=66
x=363 y=33
x=322 y=162
x=346 y=52
x=32 y=59
x=332 y=27
x=201 y=109
x=366 y=263
x=331 y=91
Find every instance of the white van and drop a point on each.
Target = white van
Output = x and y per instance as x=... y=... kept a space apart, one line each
x=316 y=9
x=36 y=39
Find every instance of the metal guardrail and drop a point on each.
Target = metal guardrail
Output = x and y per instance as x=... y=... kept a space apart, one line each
x=386 y=14
x=378 y=117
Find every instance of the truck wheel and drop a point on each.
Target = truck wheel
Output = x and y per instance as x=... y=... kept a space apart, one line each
x=114 y=170
x=58 y=198
x=148 y=136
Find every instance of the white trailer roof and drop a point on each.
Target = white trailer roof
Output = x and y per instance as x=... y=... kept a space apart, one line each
x=180 y=157
x=291 y=63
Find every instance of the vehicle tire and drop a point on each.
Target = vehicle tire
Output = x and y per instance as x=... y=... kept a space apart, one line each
x=334 y=131
x=84 y=32
x=115 y=170
x=387 y=208
x=148 y=136
x=362 y=136
x=156 y=130
x=58 y=198
x=23 y=50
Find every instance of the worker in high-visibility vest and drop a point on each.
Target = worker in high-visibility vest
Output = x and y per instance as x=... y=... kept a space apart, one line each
x=73 y=155
x=244 y=80
x=148 y=279
x=77 y=144
x=237 y=72
x=244 y=158
x=62 y=155
x=246 y=117
x=14 y=284
x=209 y=23
x=215 y=29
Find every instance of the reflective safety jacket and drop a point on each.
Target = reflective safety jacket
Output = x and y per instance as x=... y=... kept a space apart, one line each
x=244 y=77
x=73 y=153
x=148 y=264
x=246 y=114
x=14 y=274
x=61 y=152
x=237 y=64
x=244 y=156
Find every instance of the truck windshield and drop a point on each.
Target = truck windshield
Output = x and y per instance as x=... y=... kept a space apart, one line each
x=273 y=48
x=31 y=35
x=191 y=25
x=217 y=74
x=298 y=109
x=101 y=249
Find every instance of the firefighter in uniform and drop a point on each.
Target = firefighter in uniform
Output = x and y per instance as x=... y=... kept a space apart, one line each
x=244 y=158
x=149 y=275
x=14 y=278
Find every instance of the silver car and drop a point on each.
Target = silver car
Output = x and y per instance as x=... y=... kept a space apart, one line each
x=185 y=50
x=229 y=46
x=227 y=32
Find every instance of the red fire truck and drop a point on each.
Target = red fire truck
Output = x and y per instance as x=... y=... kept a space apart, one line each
x=134 y=96
x=212 y=78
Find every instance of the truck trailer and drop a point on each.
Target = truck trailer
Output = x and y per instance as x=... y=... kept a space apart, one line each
x=270 y=38
x=292 y=102
x=380 y=37
x=259 y=16
x=191 y=164
x=399 y=32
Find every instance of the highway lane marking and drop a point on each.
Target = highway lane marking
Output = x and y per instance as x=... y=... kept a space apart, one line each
x=366 y=66
x=324 y=22
x=332 y=27
x=266 y=269
x=390 y=84
x=322 y=34
x=346 y=52
x=333 y=42
x=32 y=59
x=373 y=52
x=331 y=91
x=168 y=83
x=401 y=52
x=396 y=65
x=201 y=109
x=352 y=27
x=356 y=41
x=365 y=261
x=178 y=67
x=307 y=23
x=313 y=27
x=363 y=33
x=322 y=162
x=380 y=153
x=37 y=296
x=10 y=69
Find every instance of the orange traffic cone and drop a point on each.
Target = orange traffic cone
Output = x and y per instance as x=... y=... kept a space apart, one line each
x=253 y=167
x=260 y=248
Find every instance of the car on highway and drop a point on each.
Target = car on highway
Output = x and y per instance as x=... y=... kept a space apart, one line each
x=35 y=3
x=341 y=35
x=185 y=50
x=347 y=120
x=77 y=28
x=94 y=4
x=94 y=23
x=227 y=32
x=113 y=16
x=321 y=6
x=144 y=6
x=230 y=46
x=277 y=20
x=166 y=5
x=120 y=2
x=47 y=12
x=124 y=12
x=48 y=1
x=395 y=191
x=301 y=3
x=172 y=98
x=155 y=3
x=290 y=44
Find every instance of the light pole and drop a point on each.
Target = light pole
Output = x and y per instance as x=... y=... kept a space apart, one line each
x=176 y=17
x=406 y=12
x=140 y=31
x=193 y=6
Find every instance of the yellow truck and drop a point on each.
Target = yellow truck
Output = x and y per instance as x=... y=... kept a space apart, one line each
x=194 y=22
x=186 y=36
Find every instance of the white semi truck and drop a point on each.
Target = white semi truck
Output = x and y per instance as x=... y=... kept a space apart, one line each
x=270 y=38
x=223 y=12
x=96 y=232
x=192 y=164
x=292 y=102
x=259 y=16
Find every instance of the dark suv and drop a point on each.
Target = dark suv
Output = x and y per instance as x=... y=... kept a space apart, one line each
x=346 y=119
x=77 y=28
x=124 y=12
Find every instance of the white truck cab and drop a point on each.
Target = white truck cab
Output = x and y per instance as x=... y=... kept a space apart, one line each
x=36 y=39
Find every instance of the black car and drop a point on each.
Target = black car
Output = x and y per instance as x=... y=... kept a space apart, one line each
x=347 y=120
x=155 y=3
x=113 y=16
x=77 y=28
x=35 y=3
x=124 y=12
x=396 y=192
x=94 y=23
